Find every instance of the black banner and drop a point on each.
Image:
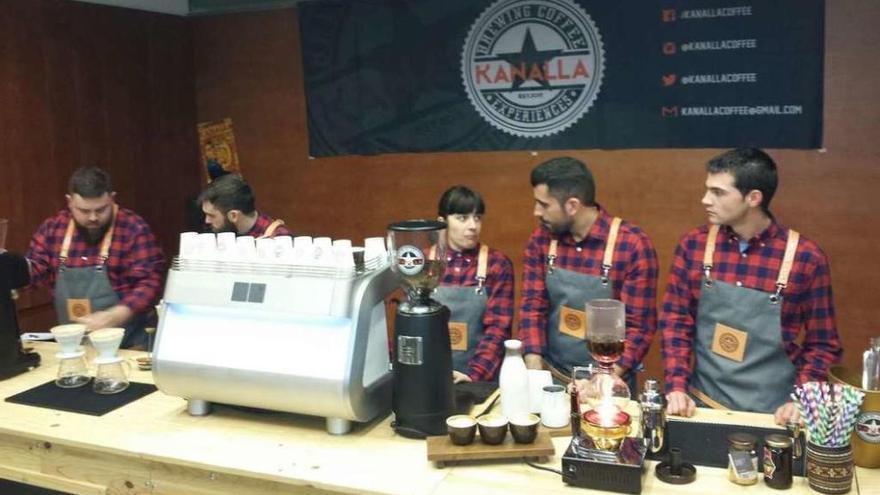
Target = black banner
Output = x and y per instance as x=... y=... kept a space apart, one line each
x=461 y=75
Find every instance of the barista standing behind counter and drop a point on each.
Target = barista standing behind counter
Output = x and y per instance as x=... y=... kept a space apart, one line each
x=477 y=287
x=580 y=253
x=229 y=205
x=102 y=261
x=741 y=291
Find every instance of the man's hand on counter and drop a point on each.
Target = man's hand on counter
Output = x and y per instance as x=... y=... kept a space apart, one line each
x=534 y=361
x=786 y=413
x=680 y=404
x=458 y=377
x=115 y=316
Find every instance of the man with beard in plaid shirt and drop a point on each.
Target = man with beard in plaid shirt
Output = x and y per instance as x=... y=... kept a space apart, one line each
x=101 y=260
x=579 y=253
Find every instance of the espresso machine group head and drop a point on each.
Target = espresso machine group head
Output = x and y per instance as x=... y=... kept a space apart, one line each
x=421 y=354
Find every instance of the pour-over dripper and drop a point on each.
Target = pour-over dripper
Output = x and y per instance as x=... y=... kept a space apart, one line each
x=106 y=342
x=68 y=337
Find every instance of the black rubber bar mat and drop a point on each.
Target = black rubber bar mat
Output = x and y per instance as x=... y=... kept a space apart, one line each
x=705 y=444
x=81 y=400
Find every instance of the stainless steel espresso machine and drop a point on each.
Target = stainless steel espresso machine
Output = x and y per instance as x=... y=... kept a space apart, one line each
x=277 y=335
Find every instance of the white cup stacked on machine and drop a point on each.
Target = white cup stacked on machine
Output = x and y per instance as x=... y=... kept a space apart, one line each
x=321 y=252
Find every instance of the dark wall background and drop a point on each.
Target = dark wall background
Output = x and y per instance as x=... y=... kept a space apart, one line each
x=82 y=84
x=248 y=68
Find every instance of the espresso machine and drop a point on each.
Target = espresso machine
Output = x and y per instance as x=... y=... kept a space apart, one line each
x=277 y=334
x=422 y=358
x=13 y=359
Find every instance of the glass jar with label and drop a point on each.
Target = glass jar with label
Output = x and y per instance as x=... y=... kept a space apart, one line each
x=777 y=461
x=742 y=460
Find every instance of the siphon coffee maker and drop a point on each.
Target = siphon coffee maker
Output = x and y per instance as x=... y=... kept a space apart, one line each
x=421 y=354
x=72 y=370
x=110 y=375
x=601 y=455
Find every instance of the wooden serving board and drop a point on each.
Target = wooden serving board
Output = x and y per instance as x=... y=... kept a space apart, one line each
x=441 y=449
x=565 y=431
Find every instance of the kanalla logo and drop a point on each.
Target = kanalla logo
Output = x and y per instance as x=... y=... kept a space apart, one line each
x=410 y=260
x=868 y=427
x=532 y=68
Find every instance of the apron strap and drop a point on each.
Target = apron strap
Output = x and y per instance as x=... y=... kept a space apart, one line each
x=709 y=252
x=787 y=262
x=482 y=267
x=105 y=243
x=551 y=254
x=271 y=229
x=706 y=399
x=608 y=258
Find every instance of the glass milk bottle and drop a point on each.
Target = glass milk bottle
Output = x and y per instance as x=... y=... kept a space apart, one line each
x=513 y=380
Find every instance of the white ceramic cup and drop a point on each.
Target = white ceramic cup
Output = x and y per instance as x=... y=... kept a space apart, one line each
x=538 y=379
x=555 y=407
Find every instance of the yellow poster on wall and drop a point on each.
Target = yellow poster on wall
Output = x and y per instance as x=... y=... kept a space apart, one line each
x=217 y=146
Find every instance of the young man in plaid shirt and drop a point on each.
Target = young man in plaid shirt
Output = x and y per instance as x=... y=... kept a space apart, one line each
x=101 y=261
x=229 y=205
x=741 y=292
x=580 y=253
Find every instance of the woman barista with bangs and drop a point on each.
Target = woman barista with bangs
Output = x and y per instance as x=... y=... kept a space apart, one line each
x=477 y=287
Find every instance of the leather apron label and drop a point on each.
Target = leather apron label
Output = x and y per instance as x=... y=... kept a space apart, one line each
x=572 y=322
x=458 y=335
x=729 y=342
x=78 y=308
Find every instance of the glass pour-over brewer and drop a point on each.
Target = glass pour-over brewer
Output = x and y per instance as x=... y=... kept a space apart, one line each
x=422 y=358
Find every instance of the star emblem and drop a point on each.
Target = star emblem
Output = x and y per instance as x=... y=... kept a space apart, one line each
x=529 y=63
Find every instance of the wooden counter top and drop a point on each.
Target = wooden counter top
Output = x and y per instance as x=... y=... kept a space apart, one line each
x=153 y=446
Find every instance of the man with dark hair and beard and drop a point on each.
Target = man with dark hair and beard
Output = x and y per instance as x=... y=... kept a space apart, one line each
x=577 y=254
x=102 y=261
x=229 y=205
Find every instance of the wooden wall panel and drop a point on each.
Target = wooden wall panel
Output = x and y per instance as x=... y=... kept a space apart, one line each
x=248 y=68
x=81 y=84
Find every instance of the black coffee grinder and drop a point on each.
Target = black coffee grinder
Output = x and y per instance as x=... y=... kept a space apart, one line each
x=421 y=354
x=13 y=359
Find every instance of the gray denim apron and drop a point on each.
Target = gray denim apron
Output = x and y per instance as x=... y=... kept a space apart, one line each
x=467 y=306
x=739 y=361
x=568 y=293
x=84 y=290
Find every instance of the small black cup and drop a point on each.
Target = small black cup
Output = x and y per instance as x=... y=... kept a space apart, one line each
x=462 y=429
x=524 y=427
x=493 y=428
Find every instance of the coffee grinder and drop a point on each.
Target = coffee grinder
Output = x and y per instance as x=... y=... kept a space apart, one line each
x=421 y=355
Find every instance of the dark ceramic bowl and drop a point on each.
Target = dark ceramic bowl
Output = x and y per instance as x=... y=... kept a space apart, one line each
x=462 y=429
x=524 y=427
x=493 y=428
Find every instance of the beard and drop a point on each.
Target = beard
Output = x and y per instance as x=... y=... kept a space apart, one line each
x=226 y=227
x=558 y=229
x=92 y=235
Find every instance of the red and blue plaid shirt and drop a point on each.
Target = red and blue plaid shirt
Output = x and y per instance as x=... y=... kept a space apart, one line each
x=461 y=271
x=807 y=305
x=633 y=276
x=135 y=264
x=262 y=224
